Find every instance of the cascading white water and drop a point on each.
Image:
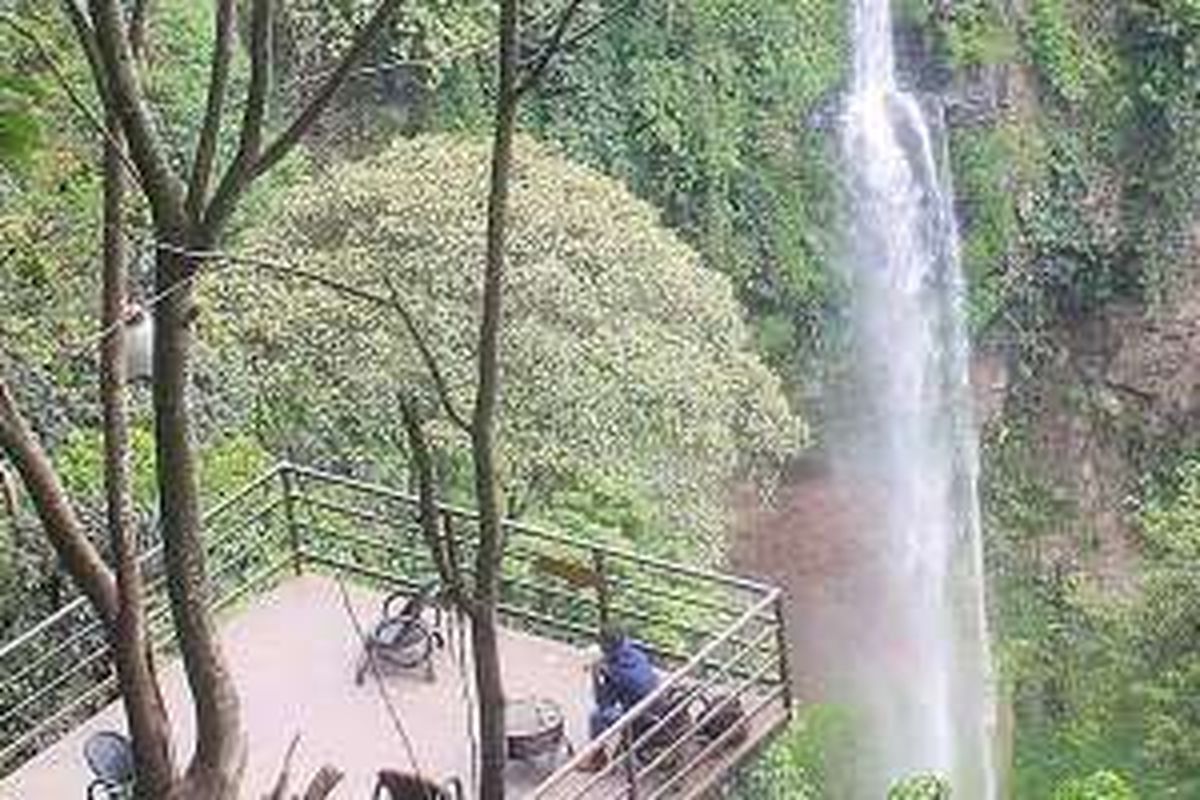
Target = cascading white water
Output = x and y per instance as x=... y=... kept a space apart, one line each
x=922 y=677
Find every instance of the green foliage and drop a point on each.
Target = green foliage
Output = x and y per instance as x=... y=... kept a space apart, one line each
x=1172 y=743
x=1057 y=49
x=921 y=787
x=976 y=33
x=315 y=33
x=706 y=109
x=1098 y=177
x=1103 y=785
x=226 y=464
x=1162 y=44
x=628 y=370
x=80 y=462
x=1160 y=50
x=20 y=127
x=1170 y=516
x=48 y=202
x=1102 y=683
x=1020 y=501
x=982 y=162
x=800 y=764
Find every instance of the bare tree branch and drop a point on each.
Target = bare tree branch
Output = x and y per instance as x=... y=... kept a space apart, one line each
x=226 y=195
x=62 y=525
x=88 y=113
x=319 y=787
x=279 y=791
x=427 y=505
x=550 y=49
x=489 y=684
x=8 y=496
x=87 y=40
x=250 y=141
x=573 y=41
x=439 y=381
x=323 y=783
x=304 y=120
x=394 y=303
x=162 y=186
x=206 y=145
x=241 y=172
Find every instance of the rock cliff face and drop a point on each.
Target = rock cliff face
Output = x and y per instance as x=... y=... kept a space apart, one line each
x=1119 y=392
x=1103 y=384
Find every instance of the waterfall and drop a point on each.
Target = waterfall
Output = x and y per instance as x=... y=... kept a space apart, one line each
x=921 y=677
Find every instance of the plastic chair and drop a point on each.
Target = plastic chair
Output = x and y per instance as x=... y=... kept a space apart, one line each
x=402 y=638
x=109 y=755
x=391 y=785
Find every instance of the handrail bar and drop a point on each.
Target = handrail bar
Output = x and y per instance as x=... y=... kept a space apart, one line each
x=699 y=723
x=667 y=788
x=588 y=751
x=19 y=641
x=747 y=584
x=150 y=553
x=236 y=497
x=724 y=671
x=647 y=735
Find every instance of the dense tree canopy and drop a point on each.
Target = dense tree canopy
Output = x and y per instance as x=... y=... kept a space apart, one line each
x=628 y=369
x=717 y=112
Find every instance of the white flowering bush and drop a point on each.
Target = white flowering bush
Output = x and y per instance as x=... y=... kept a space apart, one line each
x=627 y=368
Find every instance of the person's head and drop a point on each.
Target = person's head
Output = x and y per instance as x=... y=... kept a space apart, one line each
x=611 y=637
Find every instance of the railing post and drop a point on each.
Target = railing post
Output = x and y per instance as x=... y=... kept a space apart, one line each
x=289 y=513
x=785 y=673
x=602 y=596
x=630 y=762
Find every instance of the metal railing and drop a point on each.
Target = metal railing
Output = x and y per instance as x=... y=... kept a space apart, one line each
x=717 y=638
x=686 y=734
x=58 y=672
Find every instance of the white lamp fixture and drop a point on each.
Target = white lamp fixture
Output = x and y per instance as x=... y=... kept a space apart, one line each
x=139 y=343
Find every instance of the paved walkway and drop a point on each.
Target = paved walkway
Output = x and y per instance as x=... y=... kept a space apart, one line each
x=293 y=652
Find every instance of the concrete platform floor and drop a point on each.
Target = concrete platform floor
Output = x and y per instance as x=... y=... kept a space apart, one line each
x=293 y=652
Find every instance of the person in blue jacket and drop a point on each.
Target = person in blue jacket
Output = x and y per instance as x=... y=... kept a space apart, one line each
x=622 y=678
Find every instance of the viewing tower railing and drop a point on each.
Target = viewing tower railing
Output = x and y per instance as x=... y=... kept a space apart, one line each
x=717 y=638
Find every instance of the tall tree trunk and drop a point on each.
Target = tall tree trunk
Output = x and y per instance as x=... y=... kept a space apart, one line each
x=215 y=770
x=488 y=682
x=129 y=639
x=184 y=218
x=489 y=690
x=62 y=525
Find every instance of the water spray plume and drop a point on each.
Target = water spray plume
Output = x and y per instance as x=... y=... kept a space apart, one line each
x=921 y=677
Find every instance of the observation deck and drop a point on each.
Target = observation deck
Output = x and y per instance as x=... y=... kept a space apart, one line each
x=299 y=562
